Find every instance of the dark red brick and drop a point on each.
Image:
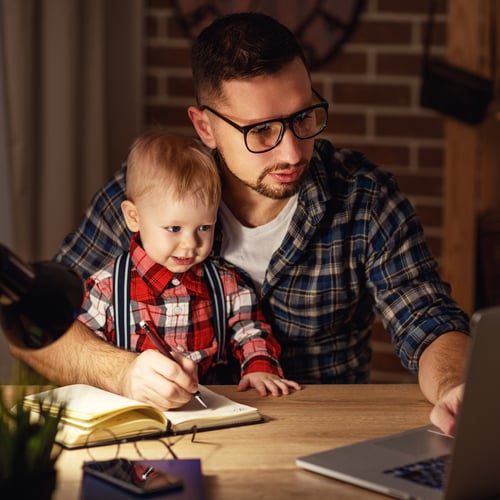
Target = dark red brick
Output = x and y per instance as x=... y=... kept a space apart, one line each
x=420 y=185
x=372 y=94
x=409 y=126
x=346 y=123
x=399 y=64
x=182 y=87
x=167 y=115
x=382 y=33
x=165 y=57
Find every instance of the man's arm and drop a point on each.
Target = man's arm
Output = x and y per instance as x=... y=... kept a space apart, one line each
x=79 y=356
x=441 y=377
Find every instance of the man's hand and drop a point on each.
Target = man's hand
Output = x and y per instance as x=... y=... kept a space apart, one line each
x=265 y=383
x=441 y=377
x=445 y=411
x=160 y=381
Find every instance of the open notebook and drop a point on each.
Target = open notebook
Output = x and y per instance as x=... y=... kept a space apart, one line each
x=410 y=464
x=94 y=416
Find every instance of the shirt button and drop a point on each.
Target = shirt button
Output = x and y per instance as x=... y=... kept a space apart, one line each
x=177 y=310
x=176 y=282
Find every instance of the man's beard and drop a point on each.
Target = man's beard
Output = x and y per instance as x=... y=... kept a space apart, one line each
x=280 y=192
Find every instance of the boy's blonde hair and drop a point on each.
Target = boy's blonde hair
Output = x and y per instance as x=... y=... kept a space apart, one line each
x=159 y=160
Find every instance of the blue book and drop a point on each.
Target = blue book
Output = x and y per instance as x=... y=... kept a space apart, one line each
x=188 y=470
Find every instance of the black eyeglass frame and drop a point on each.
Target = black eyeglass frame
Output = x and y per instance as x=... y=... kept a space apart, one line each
x=287 y=121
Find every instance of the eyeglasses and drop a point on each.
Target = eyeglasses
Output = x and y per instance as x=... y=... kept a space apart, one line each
x=263 y=136
x=146 y=445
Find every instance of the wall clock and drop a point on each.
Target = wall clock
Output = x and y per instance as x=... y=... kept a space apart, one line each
x=321 y=26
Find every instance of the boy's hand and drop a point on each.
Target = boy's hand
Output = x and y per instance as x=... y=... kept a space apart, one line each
x=265 y=383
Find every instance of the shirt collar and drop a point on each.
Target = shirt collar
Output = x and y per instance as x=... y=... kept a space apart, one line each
x=159 y=277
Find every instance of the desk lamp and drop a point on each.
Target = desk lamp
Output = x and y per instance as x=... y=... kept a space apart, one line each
x=38 y=302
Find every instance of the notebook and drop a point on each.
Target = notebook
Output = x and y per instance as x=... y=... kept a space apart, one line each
x=397 y=465
x=93 y=416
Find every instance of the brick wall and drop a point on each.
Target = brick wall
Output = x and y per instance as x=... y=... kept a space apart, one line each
x=373 y=88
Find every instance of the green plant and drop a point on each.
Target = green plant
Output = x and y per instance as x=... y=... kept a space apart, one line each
x=27 y=440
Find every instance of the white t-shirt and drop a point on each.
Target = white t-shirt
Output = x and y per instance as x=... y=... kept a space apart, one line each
x=251 y=248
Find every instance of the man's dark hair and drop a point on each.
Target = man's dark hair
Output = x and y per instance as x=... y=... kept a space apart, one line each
x=239 y=46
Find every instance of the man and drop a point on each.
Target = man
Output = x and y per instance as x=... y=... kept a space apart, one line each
x=327 y=238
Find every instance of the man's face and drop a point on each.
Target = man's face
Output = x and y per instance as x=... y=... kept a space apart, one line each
x=278 y=173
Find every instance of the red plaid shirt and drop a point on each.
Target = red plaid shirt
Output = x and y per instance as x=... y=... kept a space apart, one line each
x=178 y=305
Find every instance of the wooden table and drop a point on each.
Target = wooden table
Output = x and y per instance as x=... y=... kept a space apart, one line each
x=258 y=461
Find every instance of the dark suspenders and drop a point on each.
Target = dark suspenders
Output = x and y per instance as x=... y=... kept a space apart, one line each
x=218 y=303
x=121 y=302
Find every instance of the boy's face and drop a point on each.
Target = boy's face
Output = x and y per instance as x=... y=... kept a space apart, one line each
x=175 y=233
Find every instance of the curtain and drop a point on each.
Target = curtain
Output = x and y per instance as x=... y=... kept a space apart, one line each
x=70 y=105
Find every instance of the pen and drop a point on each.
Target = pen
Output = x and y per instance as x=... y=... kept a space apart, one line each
x=160 y=345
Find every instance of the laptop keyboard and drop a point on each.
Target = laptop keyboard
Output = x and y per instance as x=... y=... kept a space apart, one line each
x=426 y=472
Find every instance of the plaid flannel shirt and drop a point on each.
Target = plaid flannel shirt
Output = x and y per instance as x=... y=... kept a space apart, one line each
x=354 y=248
x=178 y=307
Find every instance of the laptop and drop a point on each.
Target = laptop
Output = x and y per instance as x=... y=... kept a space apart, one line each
x=408 y=465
